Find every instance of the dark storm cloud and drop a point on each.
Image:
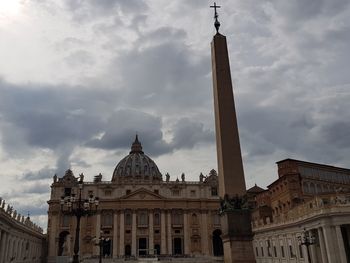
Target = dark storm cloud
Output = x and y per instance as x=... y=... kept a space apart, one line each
x=299 y=11
x=120 y=131
x=44 y=173
x=62 y=118
x=164 y=71
x=187 y=133
x=291 y=82
x=50 y=117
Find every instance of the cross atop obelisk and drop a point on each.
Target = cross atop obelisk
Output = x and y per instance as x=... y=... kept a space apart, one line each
x=216 y=23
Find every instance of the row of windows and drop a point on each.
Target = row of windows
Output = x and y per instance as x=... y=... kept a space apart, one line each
x=325 y=175
x=142 y=219
x=175 y=192
x=274 y=250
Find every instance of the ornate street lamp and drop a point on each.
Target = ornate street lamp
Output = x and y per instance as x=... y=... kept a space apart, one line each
x=78 y=207
x=307 y=239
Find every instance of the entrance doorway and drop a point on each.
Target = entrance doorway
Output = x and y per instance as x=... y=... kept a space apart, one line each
x=177 y=246
x=157 y=248
x=142 y=246
x=218 y=249
x=107 y=248
x=128 y=250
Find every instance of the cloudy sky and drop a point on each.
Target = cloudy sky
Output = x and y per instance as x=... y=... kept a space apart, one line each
x=78 y=79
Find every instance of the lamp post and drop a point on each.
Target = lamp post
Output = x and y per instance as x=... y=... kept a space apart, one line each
x=78 y=207
x=307 y=239
x=100 y=242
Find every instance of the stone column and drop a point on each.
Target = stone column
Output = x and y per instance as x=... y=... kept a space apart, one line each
x=133 y=235
x=1 y=237
x=96 y=249
x=186 y=234
x=204 y=235
x=162 y=234
x=21 y=249
x=151 y=233
x=313 y=253
x=322 y=245
x=329 y=240
x=121 y=234
x=340 y=241
x=3 y=247
x=15 y=248
x=9 y=249
x=170 y=248
x=52 y=235
x=115 y=234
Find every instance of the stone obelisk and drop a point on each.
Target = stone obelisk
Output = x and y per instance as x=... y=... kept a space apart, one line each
x=235 y=215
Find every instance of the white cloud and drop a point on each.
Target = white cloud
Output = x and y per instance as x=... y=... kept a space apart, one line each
x=70 y=69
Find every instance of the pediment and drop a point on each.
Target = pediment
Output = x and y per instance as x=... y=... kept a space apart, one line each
x=142 y=194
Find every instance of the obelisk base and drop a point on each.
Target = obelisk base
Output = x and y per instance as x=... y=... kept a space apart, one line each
x=237 y=237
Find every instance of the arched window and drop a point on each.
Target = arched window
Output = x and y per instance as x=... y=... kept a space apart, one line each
x=106 y=219
x=194 y=219
x=177 y=218
x=157 y=219
x=65 y=220
x=142 y=220
x=128 y=219
x=216 y=219
x=127 y=250
x=218 y=249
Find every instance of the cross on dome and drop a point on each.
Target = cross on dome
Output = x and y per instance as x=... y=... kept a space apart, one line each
x=136 y=146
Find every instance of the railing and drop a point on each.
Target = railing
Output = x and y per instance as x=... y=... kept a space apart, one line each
x=335 y=204
x=7 y=211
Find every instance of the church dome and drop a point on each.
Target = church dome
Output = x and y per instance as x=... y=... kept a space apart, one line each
x=137 y=165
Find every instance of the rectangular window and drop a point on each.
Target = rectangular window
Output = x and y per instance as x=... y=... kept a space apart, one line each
x=282 y=249
x=291 y=251
x=157 y=219
x=274 y=249
x=106 y=219
x=177 y=217
x=214 y=191
x=128 y=219
x=176 y=192
x=216 y=219
x=193 y=193
x=257 y=251
x=65 y=220
x=301 y=251
x=156 y=191
x=67 y=191
x=262 y=251
x=143 y=219
x=128 y=192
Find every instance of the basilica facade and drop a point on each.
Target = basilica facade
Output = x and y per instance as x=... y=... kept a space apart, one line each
x=139 y=212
